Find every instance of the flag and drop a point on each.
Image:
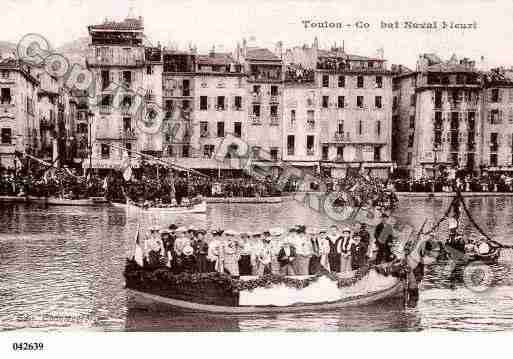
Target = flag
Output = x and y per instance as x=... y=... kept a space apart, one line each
x=138 y=251
x=126 y=167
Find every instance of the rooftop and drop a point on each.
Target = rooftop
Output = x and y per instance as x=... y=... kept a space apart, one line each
x=339 y=53
x=260 y=54
x=215 y=59
x=129 y=24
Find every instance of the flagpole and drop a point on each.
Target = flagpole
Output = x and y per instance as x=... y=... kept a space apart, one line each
x=172 y=165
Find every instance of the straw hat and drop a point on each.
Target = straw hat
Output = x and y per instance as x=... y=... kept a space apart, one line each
x=187 y=250
x=276 y=231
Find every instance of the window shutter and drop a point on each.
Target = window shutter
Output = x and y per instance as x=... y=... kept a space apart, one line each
x=500 y=95
x=500 y=116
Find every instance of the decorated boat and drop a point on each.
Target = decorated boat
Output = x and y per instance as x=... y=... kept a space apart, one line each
x=221 y=293
x=91 y=201
x=200 y=207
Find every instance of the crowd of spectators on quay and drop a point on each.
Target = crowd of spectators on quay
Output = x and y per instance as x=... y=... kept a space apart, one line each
x=300 y=250
x=484 y=183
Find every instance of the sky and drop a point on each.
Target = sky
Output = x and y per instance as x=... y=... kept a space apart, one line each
x=223 y=23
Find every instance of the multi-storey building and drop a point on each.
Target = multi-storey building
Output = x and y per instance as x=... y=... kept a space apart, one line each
x=338 y=111
x=18 y=111
x=178 y=102
x=127 y=93
x=497 y=124
x=264 y=101
x=437 y=111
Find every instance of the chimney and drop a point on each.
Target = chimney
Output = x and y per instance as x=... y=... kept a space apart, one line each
x=316 y=43
x=244 y=48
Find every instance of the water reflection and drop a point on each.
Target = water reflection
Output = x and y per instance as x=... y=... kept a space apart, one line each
x=68 y=262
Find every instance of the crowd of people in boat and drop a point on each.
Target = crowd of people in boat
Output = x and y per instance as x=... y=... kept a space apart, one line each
x=298 y=250
x=484 y=183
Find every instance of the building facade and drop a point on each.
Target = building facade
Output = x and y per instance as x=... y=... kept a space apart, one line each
x=338 y=111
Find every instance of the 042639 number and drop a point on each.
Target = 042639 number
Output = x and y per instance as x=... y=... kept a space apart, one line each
x=16 y=346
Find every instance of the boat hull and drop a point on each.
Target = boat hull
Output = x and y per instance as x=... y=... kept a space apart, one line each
x=197 y=208
x=147 y=300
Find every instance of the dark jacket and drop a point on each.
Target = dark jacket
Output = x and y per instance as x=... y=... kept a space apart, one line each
x=283 y=259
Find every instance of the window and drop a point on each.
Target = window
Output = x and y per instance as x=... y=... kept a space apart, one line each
x=493 y=159
x=378 y=128
x=495 y=118
x=255 y=152
x=186 y=151
x=169 y=105
x=379 y=82
x=412 y=120
x=359 y=101
x=128 y=147
x=438 y=99
x=290 y=145
x=149 y=70
x=5 y=96
x=208 y=151
x=377 y=154
x=256 y=110
x=5 y=74
x=237 y=129
x=203 y=129
x=127 y=123
x=186 y=104
x=274 y=153
x=186 y=91
x=82 y=128
x=394 y=103
x=256 y=89
x=410 y=140
x=292 y=117
x=377 y=102
x=238 y=103
x=340 y=127
x=340 y=153
x=274 y=90
x=359 y=127
x=203 y=103
x=106 y=100
x=127 y=102
x=359 y=82
x=6 y=136
x=310 y=118
x=127 y=78
x=105 y=79
x=220 y=129
x=310 y=140
x=325 y=81
x=325 y=151
x=409 y=158
x=341 y=81
x=325 y=101
x=274 y=110
x=412 y=100
x=341 y=102
x=495 y=95
x=220 y=103
x=105 y=151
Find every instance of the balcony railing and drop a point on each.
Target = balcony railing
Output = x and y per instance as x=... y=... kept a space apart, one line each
x=275 y=120
x=310 y=152
x=204 y=134
x=255 y=120
x=105 y=109
x=310 y=125
x=256 y=97
x=274 y=98
x=129 y=133
x=341 y=137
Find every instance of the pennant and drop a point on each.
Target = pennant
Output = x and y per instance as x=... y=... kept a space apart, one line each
x=138 y=251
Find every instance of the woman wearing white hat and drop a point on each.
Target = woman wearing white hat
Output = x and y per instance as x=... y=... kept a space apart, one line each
x=344 y=250
x=215 y=252
x=276 y=242
x=264 y=257
x=154 y=247
x=231 y=254
x=304 y=253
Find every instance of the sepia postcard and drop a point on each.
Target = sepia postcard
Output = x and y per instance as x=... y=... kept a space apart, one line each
x=235 y=166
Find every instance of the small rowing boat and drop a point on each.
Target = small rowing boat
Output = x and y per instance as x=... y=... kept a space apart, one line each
x=220 y=293
x=56 y=201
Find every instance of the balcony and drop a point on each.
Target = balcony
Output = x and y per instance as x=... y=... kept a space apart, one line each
x=204 y=134
x=256 y=97
x=105 y=109
x=310 y=152
x=310 y=125
x=115 y=56
x=290 y=151
x=341 y=137
x=274 y=99
x=129 y=133
x=255 y=120
x=275 y=120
